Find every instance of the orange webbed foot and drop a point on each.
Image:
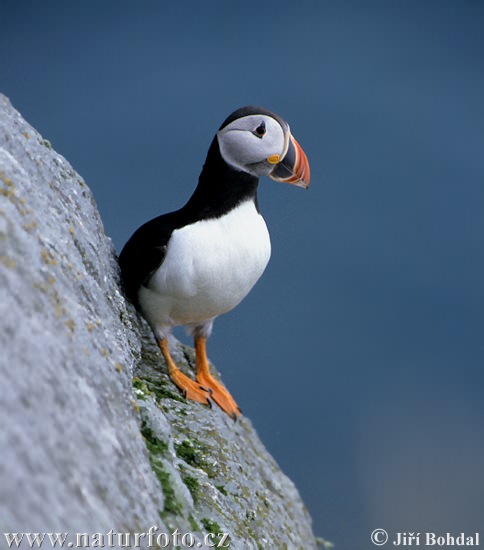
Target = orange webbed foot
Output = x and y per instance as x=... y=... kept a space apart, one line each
x=218 y=393
x=189 y=388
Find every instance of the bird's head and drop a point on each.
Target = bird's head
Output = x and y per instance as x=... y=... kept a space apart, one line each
x=259 y=142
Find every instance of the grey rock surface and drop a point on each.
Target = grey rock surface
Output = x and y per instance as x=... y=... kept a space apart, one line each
x=93 y=435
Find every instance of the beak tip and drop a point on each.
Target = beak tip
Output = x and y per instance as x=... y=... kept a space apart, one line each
x=295 y=171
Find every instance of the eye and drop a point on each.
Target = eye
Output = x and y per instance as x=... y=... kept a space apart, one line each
x=260 y=130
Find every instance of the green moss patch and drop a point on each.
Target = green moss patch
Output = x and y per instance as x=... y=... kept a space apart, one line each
x=187 y=452
x=221 y=489
x=193 y=486
x=155 y=446
x=141 y=389
x=172 y=506
x=159 y=389
x=193 y=524
x=214 y=529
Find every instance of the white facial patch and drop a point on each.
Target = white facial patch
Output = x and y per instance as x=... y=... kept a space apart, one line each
x=242 y=146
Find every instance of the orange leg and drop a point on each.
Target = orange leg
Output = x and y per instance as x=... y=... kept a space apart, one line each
x=217 y=392
x=190 y=388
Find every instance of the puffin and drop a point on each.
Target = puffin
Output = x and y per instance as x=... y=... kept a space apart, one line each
x=187 y=267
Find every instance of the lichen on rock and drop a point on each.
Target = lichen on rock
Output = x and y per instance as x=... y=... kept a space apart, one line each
x=94 y=435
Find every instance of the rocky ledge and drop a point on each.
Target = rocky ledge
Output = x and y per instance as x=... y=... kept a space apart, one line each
x=94 y=437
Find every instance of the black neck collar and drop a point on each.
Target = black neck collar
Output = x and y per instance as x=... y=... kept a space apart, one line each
x=220 y=188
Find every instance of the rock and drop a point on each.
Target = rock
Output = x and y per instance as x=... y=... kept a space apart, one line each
x=94 y=436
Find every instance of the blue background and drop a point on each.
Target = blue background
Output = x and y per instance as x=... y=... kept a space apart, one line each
x=359 y=355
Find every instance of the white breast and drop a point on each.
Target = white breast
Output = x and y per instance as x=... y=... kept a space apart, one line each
x=209 y=267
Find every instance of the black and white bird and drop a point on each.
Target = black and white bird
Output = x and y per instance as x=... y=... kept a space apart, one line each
x=189 y=266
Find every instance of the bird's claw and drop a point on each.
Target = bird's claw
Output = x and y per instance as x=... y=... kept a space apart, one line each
x=190 y=389
x=220 y=395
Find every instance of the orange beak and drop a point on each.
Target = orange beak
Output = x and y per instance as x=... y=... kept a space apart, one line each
x=294 y=167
